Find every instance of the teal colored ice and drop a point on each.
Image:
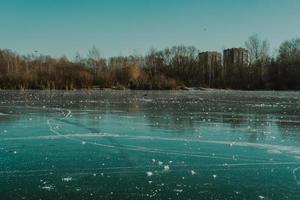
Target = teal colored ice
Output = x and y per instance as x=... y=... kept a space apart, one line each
x=149 y=145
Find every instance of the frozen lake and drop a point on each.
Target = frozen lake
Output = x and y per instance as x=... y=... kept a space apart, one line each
x=149 y=145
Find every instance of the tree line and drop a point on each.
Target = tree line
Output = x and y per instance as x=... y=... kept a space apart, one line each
x=177 y=67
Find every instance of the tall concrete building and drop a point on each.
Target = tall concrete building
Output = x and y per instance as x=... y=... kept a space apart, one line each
x=235 y=56
x=210 y=62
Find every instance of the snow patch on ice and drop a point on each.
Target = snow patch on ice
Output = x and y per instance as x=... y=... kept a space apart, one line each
x=166 y=167
x=67 y=179
x=149 y=173
x=48 y=187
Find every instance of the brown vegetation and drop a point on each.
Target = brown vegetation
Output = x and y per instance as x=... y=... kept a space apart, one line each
x=171 y=68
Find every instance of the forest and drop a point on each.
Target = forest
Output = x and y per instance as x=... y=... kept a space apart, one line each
x=177 y=67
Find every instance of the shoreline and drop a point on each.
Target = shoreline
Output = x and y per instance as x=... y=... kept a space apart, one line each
x=180 y=89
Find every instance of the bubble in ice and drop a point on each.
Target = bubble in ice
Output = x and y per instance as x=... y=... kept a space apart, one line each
x=83 y=142
x=160 y=162
x=261 y=197
x=214 y=176
x=193 y=172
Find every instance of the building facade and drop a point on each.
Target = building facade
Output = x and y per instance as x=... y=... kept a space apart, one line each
x=235 y=57
x=211 y=62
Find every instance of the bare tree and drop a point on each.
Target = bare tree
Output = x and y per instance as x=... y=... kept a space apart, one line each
x=258 y=49
x=289 y=51
x=94 y=58
x=94 y=54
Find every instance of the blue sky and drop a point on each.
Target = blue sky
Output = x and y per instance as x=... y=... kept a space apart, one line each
x=122 y=27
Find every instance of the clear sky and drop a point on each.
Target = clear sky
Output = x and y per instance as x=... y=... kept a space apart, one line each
x=122 y=27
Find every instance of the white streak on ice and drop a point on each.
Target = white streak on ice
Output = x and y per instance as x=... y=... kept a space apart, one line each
x=295 y=176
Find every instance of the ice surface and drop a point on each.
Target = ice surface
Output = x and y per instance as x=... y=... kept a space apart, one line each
x=170 y=145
